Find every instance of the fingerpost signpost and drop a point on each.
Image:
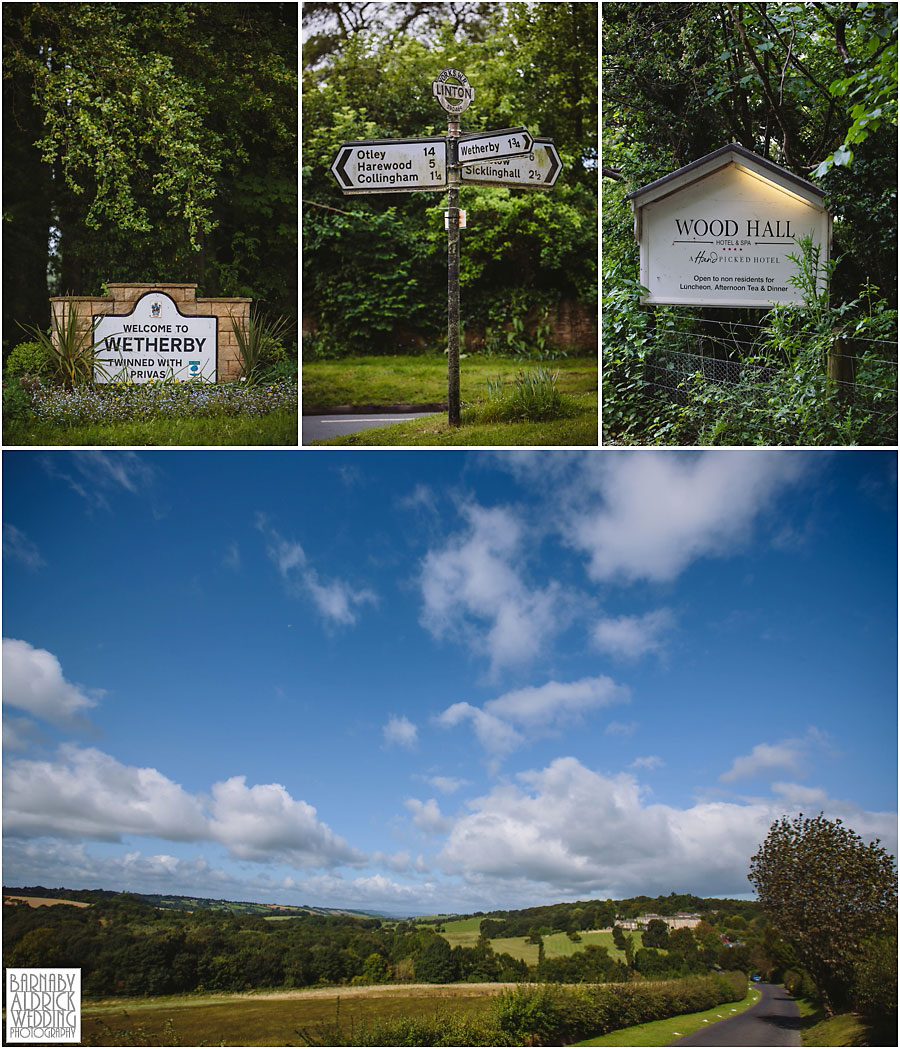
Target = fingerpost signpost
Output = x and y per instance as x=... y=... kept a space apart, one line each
x=508 y=157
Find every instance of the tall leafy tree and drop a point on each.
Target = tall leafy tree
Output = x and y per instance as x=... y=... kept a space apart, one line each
x=162 y=143
x=828 y=892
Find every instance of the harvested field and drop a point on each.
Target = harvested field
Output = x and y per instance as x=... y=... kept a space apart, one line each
x=43 y=901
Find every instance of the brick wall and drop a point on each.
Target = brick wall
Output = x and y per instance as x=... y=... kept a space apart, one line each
x=121 y=300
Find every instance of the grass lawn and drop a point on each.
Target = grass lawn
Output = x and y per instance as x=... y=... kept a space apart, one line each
x=385 y=381
x=578 y=431
x=661 y=1032
x=277 y=428
x=256 y=1020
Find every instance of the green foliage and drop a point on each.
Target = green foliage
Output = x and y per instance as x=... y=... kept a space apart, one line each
x=780 y=393
x=259 y=343
x=375 y=271
x=162 y=141
x=16 y=400
x=656 y=934
x=828 y=892
x=875 y=978
x=29 y=358
x=70 y=349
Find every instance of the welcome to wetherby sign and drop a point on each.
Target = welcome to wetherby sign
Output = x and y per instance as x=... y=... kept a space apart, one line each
x=156 y=341
x=508 y=157
x=720 y=231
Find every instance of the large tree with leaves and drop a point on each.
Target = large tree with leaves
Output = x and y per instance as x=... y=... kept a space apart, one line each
x=829 y=893
x=151 y=142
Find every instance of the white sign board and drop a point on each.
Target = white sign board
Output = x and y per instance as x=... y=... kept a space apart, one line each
x=722 y=235
x=494 y=145
x=539 y=169
x=391 y=165
x=155 y=341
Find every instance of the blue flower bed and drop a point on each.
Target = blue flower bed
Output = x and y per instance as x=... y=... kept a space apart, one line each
x=130 y=402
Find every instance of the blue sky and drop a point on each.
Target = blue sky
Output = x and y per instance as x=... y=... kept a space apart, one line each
x=439 y=681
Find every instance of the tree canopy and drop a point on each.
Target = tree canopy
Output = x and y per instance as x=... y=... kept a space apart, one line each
x=375 y=265
x=149 y=142
x=811 y=86
x=828 y=892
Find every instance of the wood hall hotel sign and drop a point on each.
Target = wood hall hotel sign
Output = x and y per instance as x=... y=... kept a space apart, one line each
x=718 y=232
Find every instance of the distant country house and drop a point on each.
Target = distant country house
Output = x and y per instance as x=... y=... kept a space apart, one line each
x=675 y=921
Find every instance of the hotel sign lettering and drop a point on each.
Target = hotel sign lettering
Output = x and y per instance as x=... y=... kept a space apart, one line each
x=721 y=232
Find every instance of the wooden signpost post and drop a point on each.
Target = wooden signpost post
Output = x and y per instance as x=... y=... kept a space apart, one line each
x=508 y=157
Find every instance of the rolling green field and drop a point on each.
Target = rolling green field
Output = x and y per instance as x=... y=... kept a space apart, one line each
x=464 y=933
x=260 y=1020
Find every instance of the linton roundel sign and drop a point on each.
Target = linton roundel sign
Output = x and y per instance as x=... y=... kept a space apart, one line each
x=155 y=341
x=455 y=98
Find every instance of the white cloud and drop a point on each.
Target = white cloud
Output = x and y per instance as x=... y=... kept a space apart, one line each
x=572 y=829
x=648 y=516
x=495 y=735
x=265 y=824
x=33 y=681
x=336 y=600
x=426 y=815
x=652 y=761
x=97 y=474
x=473 y=591
x=557 y=701
x=447 y=784
x=507 y=722
x=18 y=547
x=789 y=755
x=400 y=731
x=86 y=793
x=628 y=637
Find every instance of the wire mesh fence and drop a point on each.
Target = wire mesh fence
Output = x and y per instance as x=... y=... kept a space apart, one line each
x=691 y=356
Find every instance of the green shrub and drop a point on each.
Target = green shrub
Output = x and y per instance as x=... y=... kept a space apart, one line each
x=16 y=401
x=29 y=358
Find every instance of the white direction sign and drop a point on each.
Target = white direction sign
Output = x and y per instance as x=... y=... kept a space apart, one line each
x=539 y=169
x=391 y=165
x=155 y=341
x=494 y=145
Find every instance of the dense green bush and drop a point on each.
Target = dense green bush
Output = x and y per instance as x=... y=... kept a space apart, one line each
x=28 y=358
x=545 y=1014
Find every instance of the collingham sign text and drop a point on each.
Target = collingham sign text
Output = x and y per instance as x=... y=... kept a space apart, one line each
x=720 y=231
x=155 y=341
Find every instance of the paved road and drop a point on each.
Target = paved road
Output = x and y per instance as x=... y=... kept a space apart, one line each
x=774 y=1020
x=321 y=427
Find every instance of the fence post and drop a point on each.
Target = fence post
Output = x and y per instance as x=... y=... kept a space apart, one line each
x=841 y=369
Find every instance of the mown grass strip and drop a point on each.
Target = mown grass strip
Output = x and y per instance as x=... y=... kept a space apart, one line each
x=423 y=380
x=662 y=1032
x=579 y=431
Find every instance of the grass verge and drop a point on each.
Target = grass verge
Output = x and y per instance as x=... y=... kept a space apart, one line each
x=423 y=380
x=661 y=1032
x=843 y=1029
x=277 y=428
x=579 y=430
